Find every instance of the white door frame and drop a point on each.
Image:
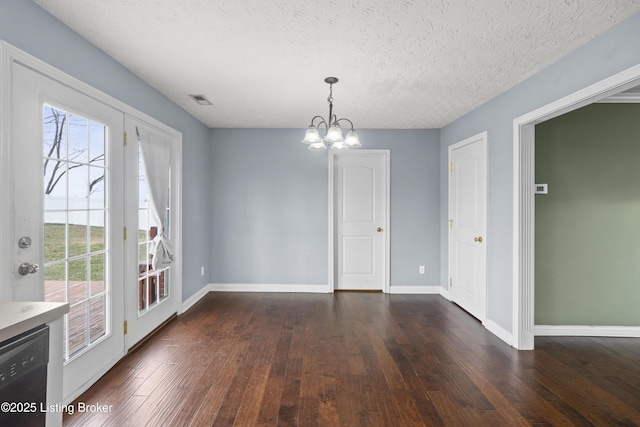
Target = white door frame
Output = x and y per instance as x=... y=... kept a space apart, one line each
x=523 y=193
x=387 y=160
x=480 y=137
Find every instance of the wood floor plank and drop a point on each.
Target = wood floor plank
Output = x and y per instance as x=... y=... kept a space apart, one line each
x=360 y=359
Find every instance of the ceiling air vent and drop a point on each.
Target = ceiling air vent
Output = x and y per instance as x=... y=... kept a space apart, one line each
x=200 y=99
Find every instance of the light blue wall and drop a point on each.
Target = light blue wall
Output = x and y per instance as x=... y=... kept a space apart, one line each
x=269 y=206
x=30 y=28
x=608 y=54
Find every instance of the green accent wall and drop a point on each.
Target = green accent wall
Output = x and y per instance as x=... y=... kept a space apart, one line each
x=587 y=248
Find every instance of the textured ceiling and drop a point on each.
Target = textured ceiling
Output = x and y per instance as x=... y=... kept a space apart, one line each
x=401 y=63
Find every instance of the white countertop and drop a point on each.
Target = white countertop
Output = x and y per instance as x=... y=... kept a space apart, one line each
x=17 y=317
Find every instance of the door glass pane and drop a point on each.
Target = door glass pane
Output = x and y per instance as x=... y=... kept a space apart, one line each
x=55 y=236
x=76 y=323
x=55 y=276
x=77 y=233
x=153 y=286
x=75 y=225
x=96 y=188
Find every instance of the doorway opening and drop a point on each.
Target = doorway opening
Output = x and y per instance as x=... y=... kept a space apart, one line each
x=523 y=193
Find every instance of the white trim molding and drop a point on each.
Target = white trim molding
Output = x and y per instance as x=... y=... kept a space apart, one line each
x=523 y=193
x=498 y=331
x=587 y=331
x=6 y=170
x=622 y=98
x=193 y=299
x=418 y=290
x=267 y=287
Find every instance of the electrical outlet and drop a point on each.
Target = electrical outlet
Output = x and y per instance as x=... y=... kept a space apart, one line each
x=421 y=269
x=202 y=271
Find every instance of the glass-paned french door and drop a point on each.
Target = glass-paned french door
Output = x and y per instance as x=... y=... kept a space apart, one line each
x=76 y=188
x=68 y=186
x=76 y=221
x=151 y=173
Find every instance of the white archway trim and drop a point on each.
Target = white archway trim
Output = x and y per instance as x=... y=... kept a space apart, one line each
x=523 y=186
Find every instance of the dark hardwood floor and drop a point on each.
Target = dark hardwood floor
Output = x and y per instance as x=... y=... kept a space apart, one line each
x=360 y=359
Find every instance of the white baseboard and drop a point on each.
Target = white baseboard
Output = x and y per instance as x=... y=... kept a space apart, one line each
x=267 y=287
x=186 y=305
x=424 y=290
x=498 y=331
x=587 y=331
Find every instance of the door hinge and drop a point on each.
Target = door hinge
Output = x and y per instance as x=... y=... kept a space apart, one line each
x=450 y=282
x=126 y=327
x=124 y=233
x=450 y=223
x=451 y=166
x=125 y=138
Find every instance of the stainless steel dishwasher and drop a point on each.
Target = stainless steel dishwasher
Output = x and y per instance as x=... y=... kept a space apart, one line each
x=23 y=378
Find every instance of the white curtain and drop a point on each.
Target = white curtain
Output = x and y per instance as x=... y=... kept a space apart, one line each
x=156 y=155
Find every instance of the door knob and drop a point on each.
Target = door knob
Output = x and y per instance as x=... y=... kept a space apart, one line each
x=379 y=229
x=26 y=268
x=478 y=239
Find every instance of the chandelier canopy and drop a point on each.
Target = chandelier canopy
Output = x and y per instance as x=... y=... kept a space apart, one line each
x=333 y=132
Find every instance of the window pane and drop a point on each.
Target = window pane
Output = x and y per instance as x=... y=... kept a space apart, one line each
x=142 y=293
x=77 y=280
x=78 y=234
x=55 y=283
x=77 y=323
x=97 y=319
x=54 y=133
x=96 y=188
x=78 y=186
x=55 y=236
x=78 y=139
x=97 y=138
x=97 y=231
x=143 y=225
x=55 y=184
x=164 y=285
x=143 y=256
x=97 y=274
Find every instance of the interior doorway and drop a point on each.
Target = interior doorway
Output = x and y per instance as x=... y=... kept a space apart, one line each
x=523 y=190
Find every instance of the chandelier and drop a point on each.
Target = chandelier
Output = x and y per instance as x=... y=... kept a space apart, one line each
x=333 y=132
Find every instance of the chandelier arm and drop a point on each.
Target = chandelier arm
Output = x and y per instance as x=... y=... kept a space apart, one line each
x=350 y=122
x=322 y=121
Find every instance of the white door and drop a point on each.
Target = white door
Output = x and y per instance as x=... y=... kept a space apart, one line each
x=67 y=153
x=360 y=219
x=152 y=294
x=467 y=224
